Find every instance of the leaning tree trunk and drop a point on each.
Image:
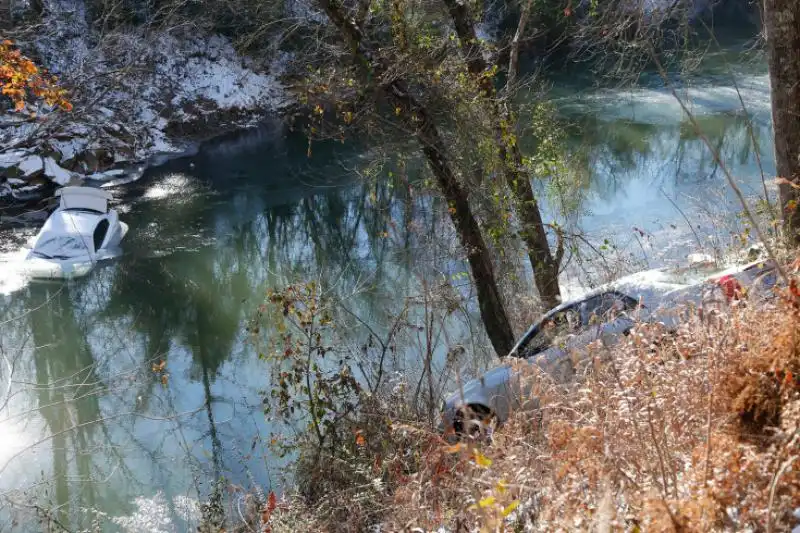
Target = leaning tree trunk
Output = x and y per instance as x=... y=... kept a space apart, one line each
x=480 y=261
x=782 y=23
x=544 y=263
x=417 y=120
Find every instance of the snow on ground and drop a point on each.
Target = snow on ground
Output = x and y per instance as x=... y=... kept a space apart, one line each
x=138 y=94
x=155 y=515
x=56 y=173
x=30 y=165
x=218 y=74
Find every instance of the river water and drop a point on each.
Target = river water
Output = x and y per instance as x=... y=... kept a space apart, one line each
x=87 y=423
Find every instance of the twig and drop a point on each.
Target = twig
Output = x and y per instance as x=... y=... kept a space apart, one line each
x=773 y=487
x=688 y=222
x=750 y=130
x=718 y=159
x=513 y=62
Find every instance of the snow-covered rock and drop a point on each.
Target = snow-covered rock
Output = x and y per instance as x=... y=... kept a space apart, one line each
x=12 y=158
x=28 y=192
x=31 y=166
x=142 y=93
x=69 y=148
x=56 y=173
x=107 y=175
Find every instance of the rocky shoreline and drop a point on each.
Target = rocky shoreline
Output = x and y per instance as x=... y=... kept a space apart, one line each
x=138 y=98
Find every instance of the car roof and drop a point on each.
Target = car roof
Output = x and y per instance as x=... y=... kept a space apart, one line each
x=647 y=285
x=659 y=281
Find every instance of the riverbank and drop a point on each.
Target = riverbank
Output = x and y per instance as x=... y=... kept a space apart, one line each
x=138 y=96
x=662 y=433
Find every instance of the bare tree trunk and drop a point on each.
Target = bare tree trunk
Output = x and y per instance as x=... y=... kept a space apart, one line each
x=544 y=263
x=417 y=119
x=513 y=61
x=782 y=23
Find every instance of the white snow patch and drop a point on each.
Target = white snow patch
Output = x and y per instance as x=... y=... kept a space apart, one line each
x=153 y=515
x=30 y=192
x=305 y=10
x=107 y=175
x=31 y=165
x=214 y=71
x=12 y=158
x=69 y=148
x=55 y=172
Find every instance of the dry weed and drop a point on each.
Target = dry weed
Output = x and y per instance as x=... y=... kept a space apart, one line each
x=693 y=431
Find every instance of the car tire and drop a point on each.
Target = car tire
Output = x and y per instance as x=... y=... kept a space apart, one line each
x=476 y=422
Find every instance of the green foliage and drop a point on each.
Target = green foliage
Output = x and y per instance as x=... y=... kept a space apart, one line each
x=550 y=160
x=312 y=383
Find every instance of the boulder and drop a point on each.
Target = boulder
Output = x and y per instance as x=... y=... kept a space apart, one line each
x=56 y=173
x=34 y=190
x=95 y=160
x=68 y=151
x=31 y=167
x=12 y=158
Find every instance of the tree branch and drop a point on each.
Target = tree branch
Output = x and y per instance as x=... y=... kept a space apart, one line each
x=513 y=62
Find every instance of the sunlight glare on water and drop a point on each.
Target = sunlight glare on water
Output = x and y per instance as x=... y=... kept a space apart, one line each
x=659 y=106
x=14 y=440
x=170 y=186
x=14 y=276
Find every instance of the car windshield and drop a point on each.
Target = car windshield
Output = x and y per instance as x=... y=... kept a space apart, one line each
x=61 y=247
x=556 y=325
x=549 y=329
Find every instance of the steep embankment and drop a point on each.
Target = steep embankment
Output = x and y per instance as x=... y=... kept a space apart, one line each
x=136 y=93
x=693 y=431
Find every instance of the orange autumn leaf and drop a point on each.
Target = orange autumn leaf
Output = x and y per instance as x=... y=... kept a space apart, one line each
x=21 y=81
x=266 y=511
x=360 y=440
x=793 y=289
x=455 y=448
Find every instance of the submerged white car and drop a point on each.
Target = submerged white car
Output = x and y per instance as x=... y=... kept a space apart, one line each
x=78 y=234
x=555 y=343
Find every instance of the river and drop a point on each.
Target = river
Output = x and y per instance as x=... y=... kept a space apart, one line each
x=87 y=423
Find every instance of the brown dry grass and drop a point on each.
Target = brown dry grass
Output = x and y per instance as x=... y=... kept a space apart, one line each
x=693 y=432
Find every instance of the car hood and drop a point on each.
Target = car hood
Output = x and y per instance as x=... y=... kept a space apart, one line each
x=496 y=378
